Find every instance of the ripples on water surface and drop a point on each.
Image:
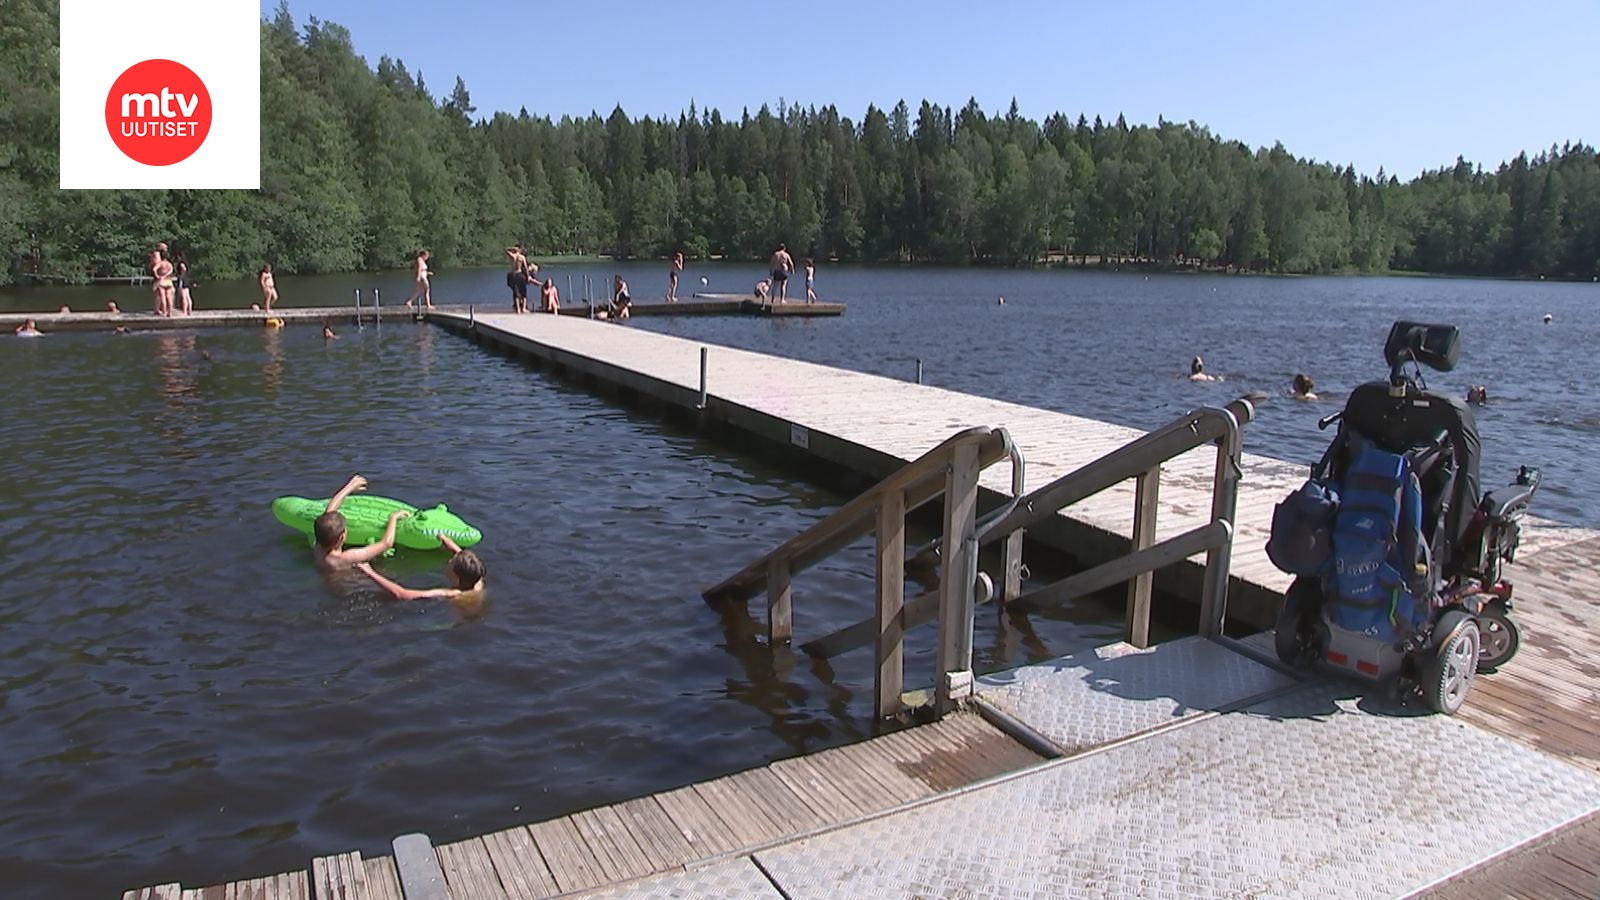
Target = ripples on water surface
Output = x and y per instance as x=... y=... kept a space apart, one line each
x=182 y=698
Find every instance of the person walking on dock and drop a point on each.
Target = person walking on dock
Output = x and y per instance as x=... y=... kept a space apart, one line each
x=269 y=287
x=420 y=274
x=782 y=265
x=673 y=269
x=517 y=278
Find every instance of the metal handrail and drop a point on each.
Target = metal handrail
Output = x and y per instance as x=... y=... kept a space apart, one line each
x=951 y=469
x=854 y=520
x=1140 y=459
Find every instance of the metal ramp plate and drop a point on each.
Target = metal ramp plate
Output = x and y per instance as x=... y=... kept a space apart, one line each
x=736 y=880
x=1305 y=795
x=1109 y=693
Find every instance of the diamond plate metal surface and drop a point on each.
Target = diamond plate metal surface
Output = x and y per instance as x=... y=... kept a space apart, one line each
x=734 y=880
x=1307 y=795
x=1102 y=695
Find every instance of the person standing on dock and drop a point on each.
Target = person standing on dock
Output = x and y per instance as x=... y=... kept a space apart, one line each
x=811 y=281
x=673 y=269
x=782 y=265
x=161 y=279
x=620 y=301
x=420 y=275
x=517 y=278
x=185 y=301
x=269 y=287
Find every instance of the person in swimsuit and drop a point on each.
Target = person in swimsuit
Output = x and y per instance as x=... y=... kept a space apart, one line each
x=1197 y=370
x=782 y=265
x=465 y=572
x=551 y=296
x=517 y=278
x=1304 y=388
x=27 y=329
x=762 y=288
x=811 y=282
x=269 y=287
x=420 y=274
x=621 y=303
x=672 y=277
x=161 y=273
x=185 y=302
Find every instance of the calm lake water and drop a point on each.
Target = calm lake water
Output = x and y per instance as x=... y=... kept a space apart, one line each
x=182 y=698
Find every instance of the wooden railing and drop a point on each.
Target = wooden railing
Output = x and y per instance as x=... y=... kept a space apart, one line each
x=951 y=470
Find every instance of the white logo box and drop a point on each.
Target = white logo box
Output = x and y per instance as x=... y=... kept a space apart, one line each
x=219 y=39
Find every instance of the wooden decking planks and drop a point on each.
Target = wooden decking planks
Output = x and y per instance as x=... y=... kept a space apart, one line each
x=1564 y=865
x=668 y=831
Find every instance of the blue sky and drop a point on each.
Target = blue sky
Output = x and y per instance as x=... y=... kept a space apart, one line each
x=1402 y=85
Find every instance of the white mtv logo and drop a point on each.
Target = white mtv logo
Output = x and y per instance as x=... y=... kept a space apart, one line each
x=148 y=106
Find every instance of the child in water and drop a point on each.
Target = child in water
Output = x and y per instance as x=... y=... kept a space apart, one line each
x=464 y=571
x=329 y=554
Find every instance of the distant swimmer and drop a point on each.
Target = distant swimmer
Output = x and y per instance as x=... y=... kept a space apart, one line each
x=1001 y=301
x=327 y=333
x=1197 y=370
x=111 y=307
x=1304 y=388
x=64 y=309
x=421 y=290
x=28 y=329
x=1477 y=395
x=269 y=286
x=1548 y=318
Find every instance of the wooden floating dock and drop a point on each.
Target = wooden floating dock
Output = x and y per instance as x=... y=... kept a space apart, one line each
x=751 y=824
x=702 y=305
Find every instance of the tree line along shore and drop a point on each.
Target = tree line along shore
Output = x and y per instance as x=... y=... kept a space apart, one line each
x=364 y=165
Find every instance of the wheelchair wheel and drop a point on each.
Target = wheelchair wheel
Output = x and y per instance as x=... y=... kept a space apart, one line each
x=1500 y=636
x=1448 y=676
x=1294 y=638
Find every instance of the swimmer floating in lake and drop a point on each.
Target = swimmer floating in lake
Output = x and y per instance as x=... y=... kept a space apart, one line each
x=28 y=329
x=464 y=571
x=1477 y=395
x=329 y=554
x=1304 y=388
x=1197 y=370
x=327 y=333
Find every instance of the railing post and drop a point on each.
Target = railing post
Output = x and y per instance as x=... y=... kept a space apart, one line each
x=703 y=352
x=1224 y=499
x=919 y=370
x=1147 y=489
x=358 y=309
x=1011 y=583
x=377 y=308
x=780 y=612
x=953 y=683
x=891 y=598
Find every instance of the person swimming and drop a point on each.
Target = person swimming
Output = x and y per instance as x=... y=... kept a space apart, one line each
x=1477 y=395
x=28 y=329
x=1197 y=370
x=1304 y=388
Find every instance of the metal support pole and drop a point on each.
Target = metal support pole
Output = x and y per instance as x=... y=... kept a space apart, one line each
x=359 y=326
x=1136 y=620
x=377 y=308
x=1224 y=498
x=919 y=370
x=569 y=285
x=472 y=317
x=956 y=581
x=702 y=404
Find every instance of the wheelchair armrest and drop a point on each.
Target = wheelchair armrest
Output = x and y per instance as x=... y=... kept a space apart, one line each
x=1497 y=504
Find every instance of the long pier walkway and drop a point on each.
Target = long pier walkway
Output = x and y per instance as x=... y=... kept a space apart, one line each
x=1190 y=769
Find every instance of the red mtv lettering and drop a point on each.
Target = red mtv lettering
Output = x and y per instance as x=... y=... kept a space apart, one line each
x=158 y=112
